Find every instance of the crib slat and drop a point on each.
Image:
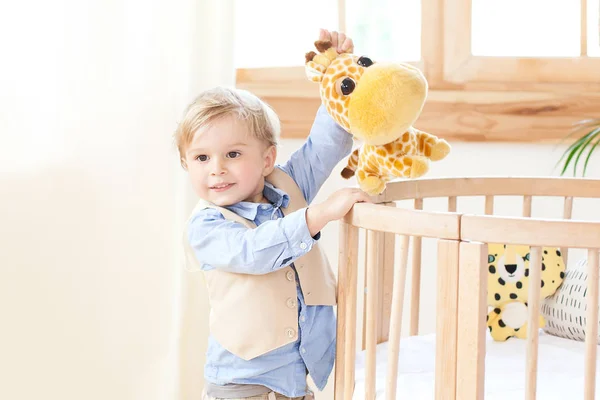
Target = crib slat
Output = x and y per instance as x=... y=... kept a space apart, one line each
x=373 y=238
x=341 y=311
x=451 y=203
x=396 y=320
x=351 y=297
x=386 y=280
x=567 y=213
x=346 y=312
x=415 y=300
x=533 y=321
x=381 y=250
x=527 y=206
x=591 y=328
x=446 y=323
x=472 y=310
x=489 y=205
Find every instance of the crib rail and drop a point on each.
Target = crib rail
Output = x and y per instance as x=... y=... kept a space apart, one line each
x=462 y=278
x=493 y=186
x=404 y=222
x=528 y=231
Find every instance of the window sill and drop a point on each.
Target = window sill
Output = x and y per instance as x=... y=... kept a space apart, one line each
x=501 y=112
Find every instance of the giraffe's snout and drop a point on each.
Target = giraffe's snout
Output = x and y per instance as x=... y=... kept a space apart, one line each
x=387 y=100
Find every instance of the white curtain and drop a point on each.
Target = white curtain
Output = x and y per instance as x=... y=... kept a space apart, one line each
x=92 y=198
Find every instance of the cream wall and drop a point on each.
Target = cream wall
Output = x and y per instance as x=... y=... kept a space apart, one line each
x=92 y=199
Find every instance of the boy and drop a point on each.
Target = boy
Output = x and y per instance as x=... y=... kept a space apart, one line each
x=270 y=286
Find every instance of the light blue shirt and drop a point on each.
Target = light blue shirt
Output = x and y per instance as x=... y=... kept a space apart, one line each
x=274 y=244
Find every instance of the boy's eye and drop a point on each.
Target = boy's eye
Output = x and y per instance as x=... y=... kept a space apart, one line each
x=202 y=158
x=233 y=154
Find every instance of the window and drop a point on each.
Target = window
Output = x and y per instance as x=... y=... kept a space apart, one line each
x=539 y=41
x=388 y=30
x=526 y=28
x=517 y=70
x=593 y=22
x=283 y=26
x=272 y=33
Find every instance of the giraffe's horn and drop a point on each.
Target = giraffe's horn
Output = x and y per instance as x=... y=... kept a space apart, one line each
x=309 y=56
x=323 y=45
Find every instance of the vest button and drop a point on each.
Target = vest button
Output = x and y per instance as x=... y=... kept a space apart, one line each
x=291 y=303
x=290 y=332
x=289 y=276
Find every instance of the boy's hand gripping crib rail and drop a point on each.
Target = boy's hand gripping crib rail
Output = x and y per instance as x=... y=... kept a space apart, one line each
x=461 y=277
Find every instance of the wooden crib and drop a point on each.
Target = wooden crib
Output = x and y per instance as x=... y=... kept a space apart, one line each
x=461 y=309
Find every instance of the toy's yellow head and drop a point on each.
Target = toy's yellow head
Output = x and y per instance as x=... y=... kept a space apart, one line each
x=508 y=277
x=375 y=102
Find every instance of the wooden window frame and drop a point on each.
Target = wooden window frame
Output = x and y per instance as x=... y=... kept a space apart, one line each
x=471 y=98
x=460 y=66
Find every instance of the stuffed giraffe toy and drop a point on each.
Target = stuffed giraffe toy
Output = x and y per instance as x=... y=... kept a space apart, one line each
x=377 y=103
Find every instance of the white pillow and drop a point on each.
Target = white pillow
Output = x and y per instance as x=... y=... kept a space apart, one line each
x=565 y=310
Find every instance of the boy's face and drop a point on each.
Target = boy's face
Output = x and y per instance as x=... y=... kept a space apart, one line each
x=227 y=165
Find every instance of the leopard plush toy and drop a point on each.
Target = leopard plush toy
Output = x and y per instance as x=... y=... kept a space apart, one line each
x=508 y=286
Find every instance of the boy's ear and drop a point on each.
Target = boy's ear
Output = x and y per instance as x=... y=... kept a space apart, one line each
x=270 y=157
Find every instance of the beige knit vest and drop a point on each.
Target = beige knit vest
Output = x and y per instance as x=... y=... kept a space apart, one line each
x=254 y=314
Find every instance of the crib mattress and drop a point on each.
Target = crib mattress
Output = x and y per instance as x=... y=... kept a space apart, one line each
x=560 y=369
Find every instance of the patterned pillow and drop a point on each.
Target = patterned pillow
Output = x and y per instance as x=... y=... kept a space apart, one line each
x=565 y=311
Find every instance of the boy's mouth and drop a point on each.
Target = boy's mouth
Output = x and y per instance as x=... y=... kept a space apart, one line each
x=221 y=187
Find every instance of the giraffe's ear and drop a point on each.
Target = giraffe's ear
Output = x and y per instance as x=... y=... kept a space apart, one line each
x=316 y=64
x=314 y=71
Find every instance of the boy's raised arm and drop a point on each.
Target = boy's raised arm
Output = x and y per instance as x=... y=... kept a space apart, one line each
x=327 y=144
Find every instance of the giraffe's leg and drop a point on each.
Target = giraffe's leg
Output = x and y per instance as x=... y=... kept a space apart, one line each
x=410 y=166
x=370 y=183
x=369 y=173
x=350 y=169
x=431 y=146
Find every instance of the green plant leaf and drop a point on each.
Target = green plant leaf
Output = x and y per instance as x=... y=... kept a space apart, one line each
x=593 y=122
x=588 y=156
x=572 y=150
x=580 y=126
x=591 y=128
x=582 y=148
x=574 y=144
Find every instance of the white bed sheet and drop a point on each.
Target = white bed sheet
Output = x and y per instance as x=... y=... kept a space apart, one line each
x=560 y=369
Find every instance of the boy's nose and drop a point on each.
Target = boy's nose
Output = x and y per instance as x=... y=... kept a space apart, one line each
x=218 y=168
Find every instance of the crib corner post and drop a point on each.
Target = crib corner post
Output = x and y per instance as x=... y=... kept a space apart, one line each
x=472 y=326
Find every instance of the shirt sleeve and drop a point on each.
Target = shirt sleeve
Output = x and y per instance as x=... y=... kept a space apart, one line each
x=230 y=246
x=327 y=144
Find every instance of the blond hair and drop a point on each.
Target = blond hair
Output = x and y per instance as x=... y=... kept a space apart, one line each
x=220 y=101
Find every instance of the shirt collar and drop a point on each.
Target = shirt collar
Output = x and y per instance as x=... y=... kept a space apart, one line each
x=248 y=210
